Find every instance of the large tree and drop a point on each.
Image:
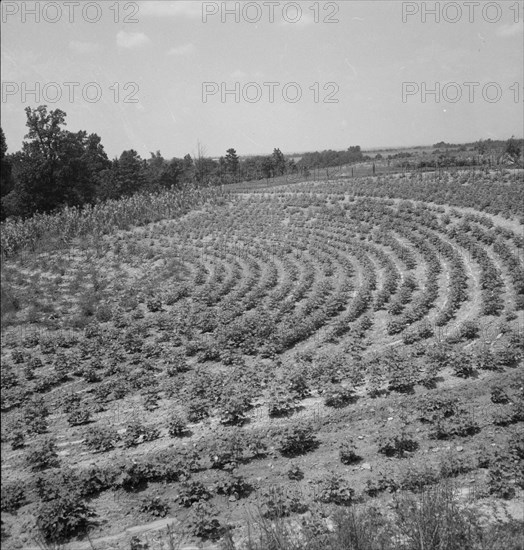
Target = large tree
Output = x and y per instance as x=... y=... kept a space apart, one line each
x=232 y=162
x=126 y=176
x=513 y=150
x=6 y=172
x=55 y=167
x=279 y=162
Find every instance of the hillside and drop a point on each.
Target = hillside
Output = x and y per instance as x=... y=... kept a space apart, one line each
x=260 y=353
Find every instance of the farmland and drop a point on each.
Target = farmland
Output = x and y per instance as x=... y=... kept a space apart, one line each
x=178 y=363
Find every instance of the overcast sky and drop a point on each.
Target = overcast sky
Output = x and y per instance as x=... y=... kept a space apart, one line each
x=164 y=58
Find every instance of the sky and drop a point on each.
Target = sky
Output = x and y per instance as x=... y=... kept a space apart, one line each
x=301 y=76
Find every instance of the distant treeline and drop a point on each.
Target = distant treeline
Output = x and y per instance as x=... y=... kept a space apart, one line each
x=57 y=168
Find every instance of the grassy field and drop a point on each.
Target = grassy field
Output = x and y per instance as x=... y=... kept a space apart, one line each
x=333 y=364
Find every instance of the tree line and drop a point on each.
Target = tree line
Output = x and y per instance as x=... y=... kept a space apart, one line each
x=56 y=167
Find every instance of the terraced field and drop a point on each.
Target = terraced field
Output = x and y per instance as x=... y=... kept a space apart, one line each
x=270 y=348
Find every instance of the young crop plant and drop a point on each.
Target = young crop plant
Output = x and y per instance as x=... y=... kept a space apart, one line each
x=42 y=456
x=281 y=402
x=154 y=506
x=348 y=452
x=177 y=425
x=100 y=439
x=233 y=486
x=203 y=522
x=13 y=497
x=338 y=396
x=277 y=502
x=137 y=433
x=198 y=409
x=461 y=423
x=61 y=518
x=233 y=409
x=462 y=364
x=397 y=442
x=192 y=492
x=296 y=439
x=79 y=415
x=334 y=489
x=17 y=439
x=295 y=473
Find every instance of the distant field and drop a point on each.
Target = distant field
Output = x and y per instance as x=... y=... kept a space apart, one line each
x=270 y=349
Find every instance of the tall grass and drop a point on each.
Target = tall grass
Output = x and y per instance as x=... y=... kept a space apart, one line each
x=60 y=228
x=434 y=519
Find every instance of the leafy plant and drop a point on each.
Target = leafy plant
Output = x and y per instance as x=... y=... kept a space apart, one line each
x=334 y=489
x=295 y=473
x=43 y=455
x=203 y=522
x=397 y=442
x=13 y=497
x=192 y=492
x=277 y=502
x=177 y=425
x=348 y=452
x=233 y=486
x=296 y=439
x=61 y=518
x=137 y=433
x=100 y=439
x=154 y=506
